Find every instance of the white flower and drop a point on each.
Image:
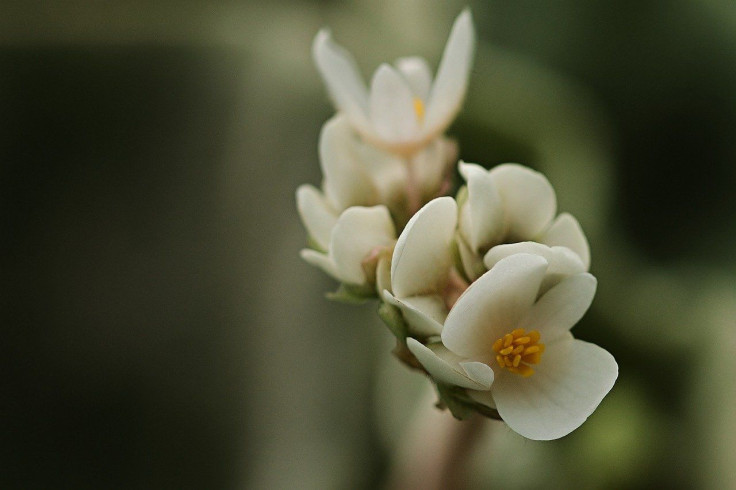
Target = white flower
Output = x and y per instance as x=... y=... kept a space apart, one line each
x=421 y=266
x=357 y=174
x=404 y=109
x=357 y=236
x=512 y=203
x=545 y=383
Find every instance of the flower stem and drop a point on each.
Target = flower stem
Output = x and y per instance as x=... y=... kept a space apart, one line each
x=435 y=451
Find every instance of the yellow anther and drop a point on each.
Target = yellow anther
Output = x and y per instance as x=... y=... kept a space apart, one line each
x=419 y=108
x=518 y=350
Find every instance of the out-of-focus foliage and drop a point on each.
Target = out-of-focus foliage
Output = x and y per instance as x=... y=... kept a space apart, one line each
x=159 y=329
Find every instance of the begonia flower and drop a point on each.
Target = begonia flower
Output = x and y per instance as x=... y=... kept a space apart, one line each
x=545 y=383
x=358 y=174
x=404 y=108
x=354 y=238
x=507 y=204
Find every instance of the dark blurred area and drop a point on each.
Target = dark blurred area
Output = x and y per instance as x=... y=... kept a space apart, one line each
x=158 y=327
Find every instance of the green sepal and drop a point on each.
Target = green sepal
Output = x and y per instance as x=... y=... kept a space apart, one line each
x=351 y=294
x=449 y=397
x=393 y=319
x=461 y=406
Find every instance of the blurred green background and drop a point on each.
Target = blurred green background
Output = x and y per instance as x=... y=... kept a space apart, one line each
x=160 y=331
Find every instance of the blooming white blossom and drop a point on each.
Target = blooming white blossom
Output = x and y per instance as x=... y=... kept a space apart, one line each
x=357 y=174
x=421 y=267
x=355 y=239
x=404 y=109
x=512 y=203
x=545 y=383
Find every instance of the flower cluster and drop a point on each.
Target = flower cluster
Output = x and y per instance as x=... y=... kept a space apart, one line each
x=481 y=290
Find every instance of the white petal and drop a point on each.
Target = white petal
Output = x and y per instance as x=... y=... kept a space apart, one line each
x=318 y=216
x=569 y=383
x=563 y=262
x=443 y=366
x=323 y=261
x=424 y=314
x=451 y=82
x=346 y=180
x=358 y=231
x=392 y=106
x=529 y=201
x=482 y=216
x=416 y=72
x=387 y=173
x=562 y=306
x=423 y=257
x=343 y=80
x=493 y=305
x=566 y=232
x=484 y=397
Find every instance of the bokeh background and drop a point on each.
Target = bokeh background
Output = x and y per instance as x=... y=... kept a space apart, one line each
x=159 y=330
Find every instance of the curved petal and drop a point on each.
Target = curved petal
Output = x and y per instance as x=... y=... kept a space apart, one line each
x=529 y=202
x=424 y=314
x=569 y=383
x=323 y=261
x=317 y=215
x=566 y=232
x=484 y=397
x=481 y=218
x=346 y=180
x=563 y=262
x=562 y=307
x=444 y=367
x=357 y=232
x=423 y=256
x=416 y=72
x=392 y=106
x=451 y=82
x=343 y=80
x=493 y=305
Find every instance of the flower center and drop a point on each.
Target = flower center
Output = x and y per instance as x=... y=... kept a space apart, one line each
x=419 y=108
x=515 y=351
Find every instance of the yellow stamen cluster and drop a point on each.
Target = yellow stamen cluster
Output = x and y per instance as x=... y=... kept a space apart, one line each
x=419 y=108
x=515 y=351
